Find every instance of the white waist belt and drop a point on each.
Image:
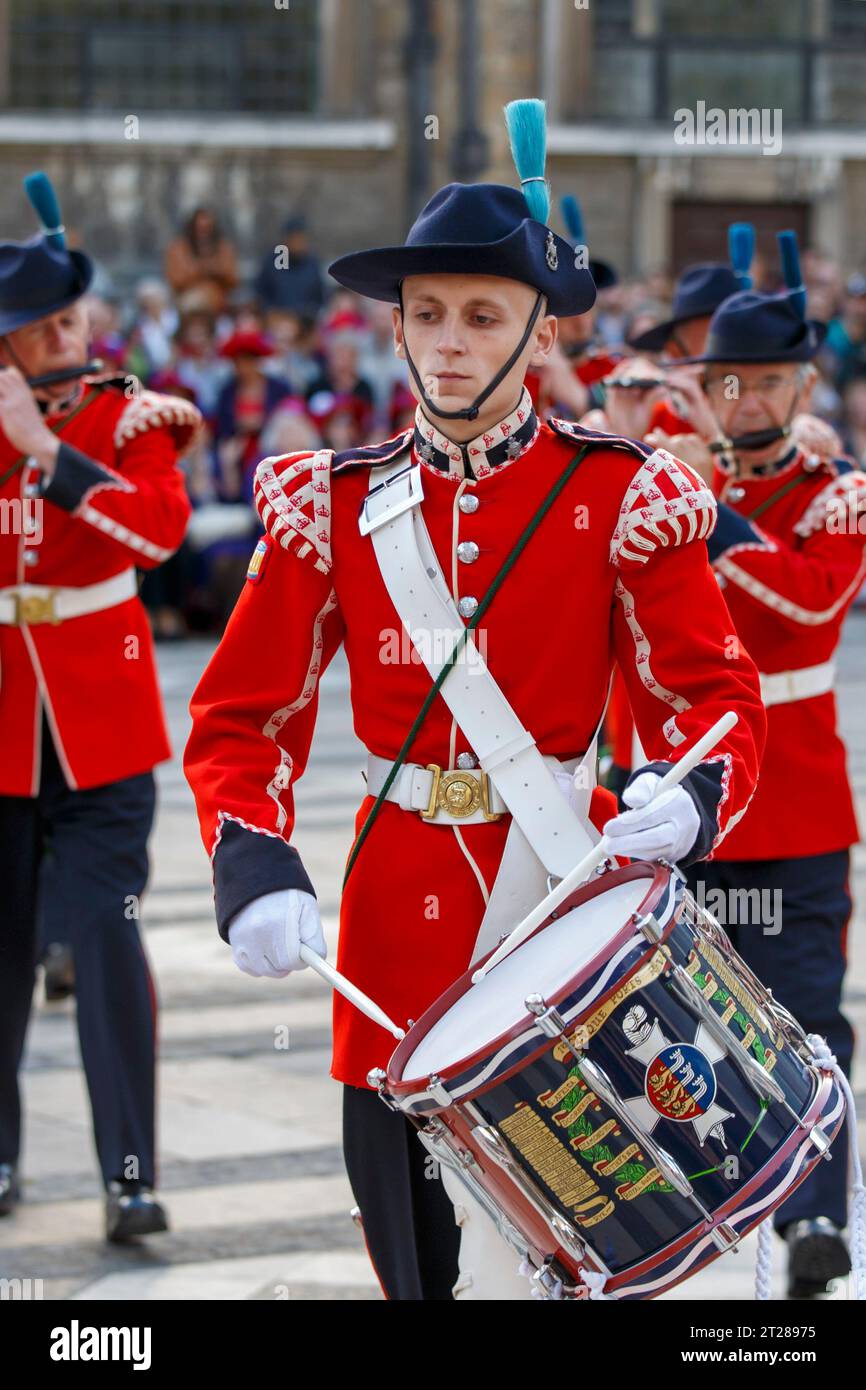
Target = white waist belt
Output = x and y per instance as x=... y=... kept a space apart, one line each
x=25 y=604
x=784 y=687
x=426 y=789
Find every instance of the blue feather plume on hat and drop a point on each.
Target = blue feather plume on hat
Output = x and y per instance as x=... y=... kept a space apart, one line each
x=527 y=133
x=40 y=191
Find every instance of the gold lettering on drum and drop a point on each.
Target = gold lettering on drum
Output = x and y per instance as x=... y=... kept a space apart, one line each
x=556 y=1167
x=570 y=1117
x=634 y=1189
x=551 y=1098
x=588 y=1141
x=613 y=1165
x=648 y=972
x=744 y=998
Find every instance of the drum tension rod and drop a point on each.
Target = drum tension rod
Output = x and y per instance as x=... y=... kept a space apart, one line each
x=551 y=1023
x=439 y=1143
x=490 y=1141
x=755 y=1075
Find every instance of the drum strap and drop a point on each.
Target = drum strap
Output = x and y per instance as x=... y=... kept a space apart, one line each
x=547 y=835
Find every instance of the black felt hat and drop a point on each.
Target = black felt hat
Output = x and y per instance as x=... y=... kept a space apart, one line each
x=753 y=327
x=474 y=229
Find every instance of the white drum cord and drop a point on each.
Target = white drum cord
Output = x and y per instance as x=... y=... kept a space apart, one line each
x=856 y=1191
x=593 y=1280
x=764 y=1262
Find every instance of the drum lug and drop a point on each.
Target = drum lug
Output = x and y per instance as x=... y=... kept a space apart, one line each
x=438 y=1091
x=649 y=927
x=549 y=1020
x=545 y=1280
x=377 y=1078
x=725 y=1237
x=439 y=1142
x=820 y=1140
x=567 y=1236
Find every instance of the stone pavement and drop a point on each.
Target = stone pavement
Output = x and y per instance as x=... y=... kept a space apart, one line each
x=250 y=1165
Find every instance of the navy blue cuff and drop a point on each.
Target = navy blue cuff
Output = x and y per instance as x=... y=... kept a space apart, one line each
x=73 y=476
x=731 y=529
x=248 y=865
x=704 y=786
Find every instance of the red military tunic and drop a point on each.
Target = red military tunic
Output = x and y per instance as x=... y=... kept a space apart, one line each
x=789 y=578
x=615 y=571
x=117 y=500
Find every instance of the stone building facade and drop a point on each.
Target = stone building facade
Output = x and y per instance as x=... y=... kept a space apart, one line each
x=355 y=110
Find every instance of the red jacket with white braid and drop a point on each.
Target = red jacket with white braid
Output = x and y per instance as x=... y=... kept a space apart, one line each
x=617 y=570
x=789 y=577
x=116 y=502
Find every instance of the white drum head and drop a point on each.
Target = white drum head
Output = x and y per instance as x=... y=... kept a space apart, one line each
x=541 y=965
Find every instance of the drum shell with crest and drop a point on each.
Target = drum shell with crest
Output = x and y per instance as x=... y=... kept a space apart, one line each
x=699 y=1109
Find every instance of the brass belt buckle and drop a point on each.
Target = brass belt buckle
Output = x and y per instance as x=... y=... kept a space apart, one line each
x=434 y=792
x=35 y=608
x=485 y=800
x=458 y=793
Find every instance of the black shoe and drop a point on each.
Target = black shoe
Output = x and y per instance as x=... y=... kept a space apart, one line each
x=816 y=1255
x=59 y=972
x=9 y=1190
x=132 y=1210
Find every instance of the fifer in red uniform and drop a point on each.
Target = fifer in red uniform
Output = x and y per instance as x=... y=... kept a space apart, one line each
x=117 y=500
x=789 y=578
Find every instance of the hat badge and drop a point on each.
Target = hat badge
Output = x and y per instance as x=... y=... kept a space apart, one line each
x=551 y=252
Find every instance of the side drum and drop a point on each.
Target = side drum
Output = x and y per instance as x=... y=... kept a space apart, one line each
x=621 y=1094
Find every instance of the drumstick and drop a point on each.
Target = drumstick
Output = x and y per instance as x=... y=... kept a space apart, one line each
x=352 y=993
x=601 y=851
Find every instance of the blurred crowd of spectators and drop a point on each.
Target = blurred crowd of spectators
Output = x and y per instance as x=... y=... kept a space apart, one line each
x=289 y=361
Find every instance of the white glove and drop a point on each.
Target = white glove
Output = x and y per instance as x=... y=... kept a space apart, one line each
x=565 y=782
x=665 y=827
x=266 y=935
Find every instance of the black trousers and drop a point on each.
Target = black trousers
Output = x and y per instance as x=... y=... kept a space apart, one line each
x=412 y=1239
x=797 y=949
x=88 y=849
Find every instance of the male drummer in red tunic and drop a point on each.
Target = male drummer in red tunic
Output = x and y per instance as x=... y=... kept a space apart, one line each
x=788 y=551
x=445 y=866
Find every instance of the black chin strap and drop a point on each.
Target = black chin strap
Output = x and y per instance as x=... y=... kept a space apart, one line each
x=469 y=412
x=752 y=439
